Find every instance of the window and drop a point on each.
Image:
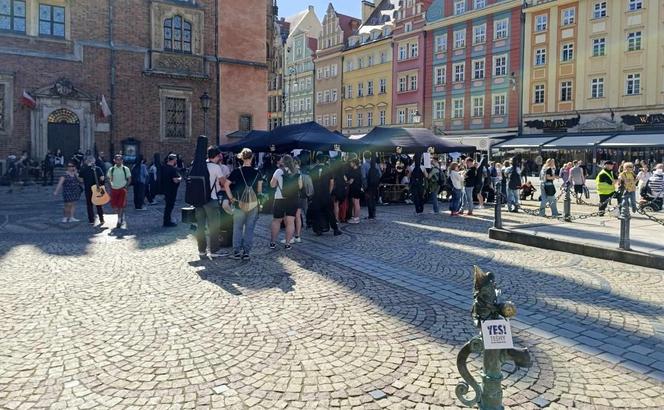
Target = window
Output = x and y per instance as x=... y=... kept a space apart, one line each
x=459 y=72
x=460 y=39
x=333 y=71
x=51 y=20
x=539 y=94
x=439 y=110
x=360 y=89
x=360 y=62
x=403 y=51
x=383 y=57
x=383 y=86
x=381 y=118
x=349 y=120
x=12 y=15
x=402 y=84
x=599 y=47
x=635 y=5
x=500 y=66
x=176 y=117
x=541 y=22
x=413 y=82
x=597 y=88
x=370 y=88
x=360 y=119
x=566 y=91
x=327 y=71
x=349 y=91
x=633 y=86
x=540 y=56
x=457 y=105
x=599 y=10
x=569 y=16
x=327 y=96
x=440 y=75
x=370 y=60
x=401 y=116
x=408 y=27
x=319 y=97
x=478 y=106
x=177 y=35
x=334 y=120
x=411 y=115
x=479 y=34
x=459 y=7
x=634 y=41
x=478 y=69
x=479 y=4
x=370 y=119
x=441 y=43
x=326 y=120
x=334 y=95
x=501 y=29
x=567 y=53
x=499 y=104
x=245 y=122
x=414 y=49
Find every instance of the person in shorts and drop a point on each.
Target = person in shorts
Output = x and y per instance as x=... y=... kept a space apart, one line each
x=119 y=176
x=287 y=184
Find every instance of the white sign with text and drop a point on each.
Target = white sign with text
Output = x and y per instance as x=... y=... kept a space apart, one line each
x=497 y=334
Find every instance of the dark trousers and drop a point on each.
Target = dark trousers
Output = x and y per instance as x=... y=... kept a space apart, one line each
x=139 y=195
x=151 y=190
x=372 y=196
x=602 y=204
x=88 y=202
x=417 y=194
x=48 y=176
x=322 y=211
x=208 y=216
x=169 y=199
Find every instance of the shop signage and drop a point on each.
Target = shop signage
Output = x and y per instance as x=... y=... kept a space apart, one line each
x=554 y=125
x=644 y=120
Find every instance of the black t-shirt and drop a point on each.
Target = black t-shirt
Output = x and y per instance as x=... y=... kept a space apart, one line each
x=251 y=175
x=88 y=175
x=168 y=173
x=356 y=175
x=470 y=180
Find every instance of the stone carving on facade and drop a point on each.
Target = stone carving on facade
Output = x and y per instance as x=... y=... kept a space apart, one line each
x=599 y=124
x=178 y=63
x=63 y=88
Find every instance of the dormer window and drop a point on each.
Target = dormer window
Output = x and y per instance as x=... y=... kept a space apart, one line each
x=177 y=35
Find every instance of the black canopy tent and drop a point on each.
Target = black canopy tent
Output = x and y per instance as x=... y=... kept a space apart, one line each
x=254 y=140
x=411 y=140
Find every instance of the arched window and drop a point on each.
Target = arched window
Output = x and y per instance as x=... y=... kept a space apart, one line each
x=177 y=35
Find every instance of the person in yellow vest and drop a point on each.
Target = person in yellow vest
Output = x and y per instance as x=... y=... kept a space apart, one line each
x=605 y=186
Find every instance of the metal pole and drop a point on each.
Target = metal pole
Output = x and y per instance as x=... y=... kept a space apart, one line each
x=498 y=209
x=205 y=123
x=624 y=228
x=568 y=203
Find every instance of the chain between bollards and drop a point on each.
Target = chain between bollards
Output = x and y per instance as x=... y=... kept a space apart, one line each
x=625 y=218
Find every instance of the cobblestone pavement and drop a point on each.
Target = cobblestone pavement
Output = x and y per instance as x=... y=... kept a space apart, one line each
x=101 y=318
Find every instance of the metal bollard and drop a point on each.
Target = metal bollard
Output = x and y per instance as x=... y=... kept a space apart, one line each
x=567 y=212
x=498 y=210
x=625 y=218
x=489 y=394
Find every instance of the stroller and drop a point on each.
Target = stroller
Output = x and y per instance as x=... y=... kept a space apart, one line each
x=650 y=203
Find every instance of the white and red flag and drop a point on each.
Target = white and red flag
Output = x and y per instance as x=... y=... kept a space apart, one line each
x=28 y=101
x=105 y=109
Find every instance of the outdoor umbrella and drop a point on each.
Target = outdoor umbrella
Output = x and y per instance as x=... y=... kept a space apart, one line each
x=411 y=140
x=256 y=141
x=309 y=136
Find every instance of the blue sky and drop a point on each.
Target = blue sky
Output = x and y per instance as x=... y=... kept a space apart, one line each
x=291 y=7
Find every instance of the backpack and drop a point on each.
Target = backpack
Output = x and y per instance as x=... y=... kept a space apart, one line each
x=248 y=199
x=514 y=179
x=197 y=189
x=373 y=177
x=307 y=185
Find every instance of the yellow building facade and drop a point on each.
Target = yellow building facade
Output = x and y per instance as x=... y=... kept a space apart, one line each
x=367 y=85
x=588 y=63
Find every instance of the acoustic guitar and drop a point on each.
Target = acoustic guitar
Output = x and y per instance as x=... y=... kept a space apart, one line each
x=99 y=195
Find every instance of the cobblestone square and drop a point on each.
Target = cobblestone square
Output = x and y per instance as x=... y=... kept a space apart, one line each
x=106 y=318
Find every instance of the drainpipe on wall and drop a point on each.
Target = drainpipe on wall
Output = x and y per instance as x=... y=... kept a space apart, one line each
x=218 y=70
x=111 y=149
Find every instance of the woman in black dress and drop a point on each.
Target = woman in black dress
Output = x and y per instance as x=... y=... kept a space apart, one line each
x=354 y=181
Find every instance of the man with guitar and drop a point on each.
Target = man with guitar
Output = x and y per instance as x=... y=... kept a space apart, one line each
x=93 y=182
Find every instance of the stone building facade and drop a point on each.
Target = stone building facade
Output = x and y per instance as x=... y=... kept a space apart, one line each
x=275 y=97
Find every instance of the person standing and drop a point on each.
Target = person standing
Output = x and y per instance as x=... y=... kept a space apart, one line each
x=457 y=189
x=139 y=176
x=354 y=181
x=627 y=179
x=643 y=176
x=513 y=177
x=605 y=186
x=287 y=186
x=577 y=178
x=469 y=181
x=371 y=175
x=92 y=175
x=208 y=216
x=172 y=181
x=321 y=204
x=238 y=187
x=416 y=180
x=47 y=166
x=119 y=176
x=71 y=192
x=547 y=176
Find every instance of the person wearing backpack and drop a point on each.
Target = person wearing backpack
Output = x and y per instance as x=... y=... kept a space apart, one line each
x=433 y=184
x=243 y=187
x=287 y=185
x=370 y=182
x=207 y=213
x=513 y=176
x=119 y=177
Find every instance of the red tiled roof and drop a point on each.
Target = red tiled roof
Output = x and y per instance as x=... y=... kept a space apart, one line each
x=313 y=44
x=345 y=24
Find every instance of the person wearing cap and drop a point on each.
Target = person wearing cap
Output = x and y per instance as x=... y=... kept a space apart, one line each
x=119 y=176
x=172 y=180
x=244 y=221
x=605 y=186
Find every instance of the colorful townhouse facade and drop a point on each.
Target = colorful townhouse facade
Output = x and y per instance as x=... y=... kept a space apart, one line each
x=409 y=62
x=300 y=51
x=367 y=71
x=328 y=65
x=475 y=70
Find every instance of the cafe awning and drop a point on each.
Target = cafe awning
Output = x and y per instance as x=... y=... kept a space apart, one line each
x=481 y=141
x=576 y=141
x=635 y=140
x=524 y=142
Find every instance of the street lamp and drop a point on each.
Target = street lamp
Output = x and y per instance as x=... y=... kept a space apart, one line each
x=417 y=118
x=205 y=106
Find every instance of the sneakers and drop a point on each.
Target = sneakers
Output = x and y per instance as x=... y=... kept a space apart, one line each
x=202 y=254
x=297 y=239
x=218 y=254
x=142 y=209
x=236 y=256
x=288 y=247
x=246 y=257
x=72 y=219
x=283 y=241
x=273 y=245
x=338 y=232
x=64 y=220
x=354 y=221
x=170 y=225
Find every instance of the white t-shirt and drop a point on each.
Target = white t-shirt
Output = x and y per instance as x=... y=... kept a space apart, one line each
x=279 y=175
x=225 y=170
x=216 y=172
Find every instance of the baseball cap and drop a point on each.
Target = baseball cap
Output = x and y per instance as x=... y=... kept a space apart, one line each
x=172 y=157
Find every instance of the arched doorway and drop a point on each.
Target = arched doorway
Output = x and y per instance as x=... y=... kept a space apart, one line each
x=64 y=132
